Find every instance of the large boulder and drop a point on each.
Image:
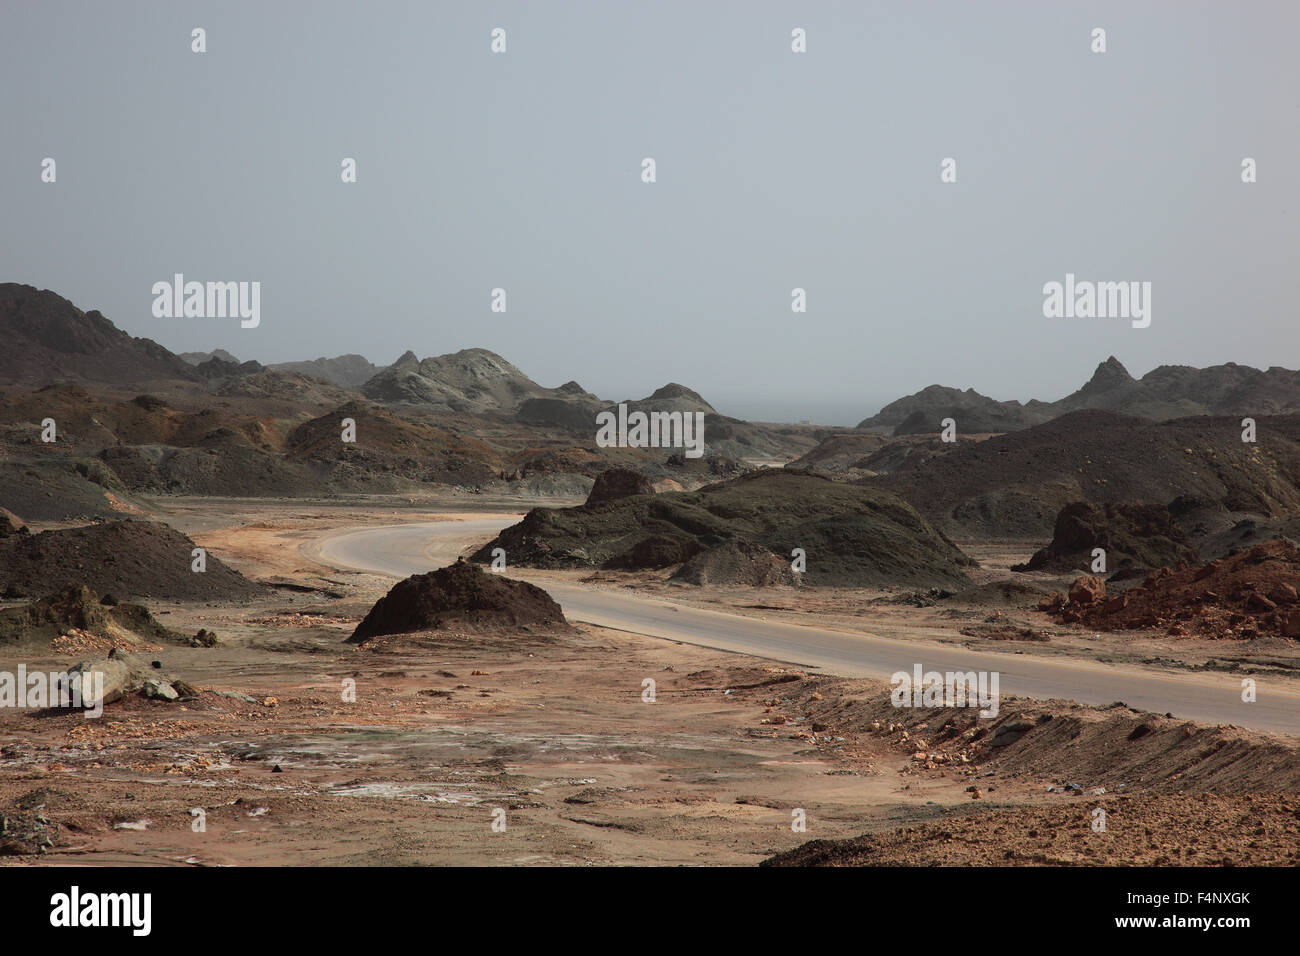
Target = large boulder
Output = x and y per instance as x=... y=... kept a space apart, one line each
x=102 y=682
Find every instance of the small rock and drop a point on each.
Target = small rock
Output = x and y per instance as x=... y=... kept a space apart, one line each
x=1087 y=590
x=159 y=690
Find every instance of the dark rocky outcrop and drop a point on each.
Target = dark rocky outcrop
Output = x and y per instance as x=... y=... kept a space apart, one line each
x=461 y=596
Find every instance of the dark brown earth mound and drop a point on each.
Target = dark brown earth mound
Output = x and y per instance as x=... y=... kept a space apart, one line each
x=460 y=596
x=656 y=551
x=614 y=483
x=125 y=558
x=737 y=562
x=1134 y=536
x=1014 y=485
x=853 y=535
x=78 y=607
x=1244 y=595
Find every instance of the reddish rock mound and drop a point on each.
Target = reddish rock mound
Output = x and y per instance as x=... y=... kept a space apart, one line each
x=1244 y=595
x=460 y=596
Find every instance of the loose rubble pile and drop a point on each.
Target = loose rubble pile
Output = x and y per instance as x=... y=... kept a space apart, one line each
x=1245 y=595
x=737 y=562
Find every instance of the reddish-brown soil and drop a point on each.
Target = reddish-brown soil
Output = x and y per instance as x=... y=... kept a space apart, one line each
x=1243 y=595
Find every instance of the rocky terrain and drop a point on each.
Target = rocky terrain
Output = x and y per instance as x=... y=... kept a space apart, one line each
x=473 y=691
x=853 y=535
x=1133 y=536
x=1243 y=595
x=75 y=618
x=132 y=419
x=1170 y=391
x=46 y=337
x=1015 y=485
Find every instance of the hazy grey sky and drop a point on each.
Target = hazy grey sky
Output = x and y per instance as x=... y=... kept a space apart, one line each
x=775 y=170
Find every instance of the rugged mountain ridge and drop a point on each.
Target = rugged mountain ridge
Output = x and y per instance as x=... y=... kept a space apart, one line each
x=47 y=339
x=1166 y=392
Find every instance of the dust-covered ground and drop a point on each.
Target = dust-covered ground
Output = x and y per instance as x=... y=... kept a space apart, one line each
x=537 y=748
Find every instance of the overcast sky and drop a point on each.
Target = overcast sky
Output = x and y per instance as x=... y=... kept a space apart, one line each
x=775 y=170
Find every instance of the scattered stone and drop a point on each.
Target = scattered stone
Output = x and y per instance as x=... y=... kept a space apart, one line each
x=159 y=690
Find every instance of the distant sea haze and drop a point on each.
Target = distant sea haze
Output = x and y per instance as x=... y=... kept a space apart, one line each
x=790 y=409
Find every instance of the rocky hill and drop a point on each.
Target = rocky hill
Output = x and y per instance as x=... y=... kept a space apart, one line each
x=1015 y=484
x=922 y=412
x=198 y=358
x=1170 y=391
x=47 y=339
x=471 y=380
x=348 y=371
x=852 y=535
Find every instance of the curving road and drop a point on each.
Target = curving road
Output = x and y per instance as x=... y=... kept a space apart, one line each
x=402 y=550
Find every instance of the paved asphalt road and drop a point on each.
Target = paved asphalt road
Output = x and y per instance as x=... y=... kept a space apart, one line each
x=401 y=550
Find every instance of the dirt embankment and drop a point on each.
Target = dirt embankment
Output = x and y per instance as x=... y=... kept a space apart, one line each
x=1202 y=830
x=77 y=619
x=1171 y=790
